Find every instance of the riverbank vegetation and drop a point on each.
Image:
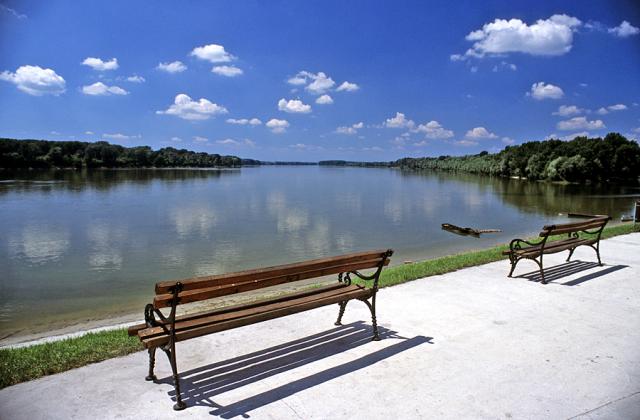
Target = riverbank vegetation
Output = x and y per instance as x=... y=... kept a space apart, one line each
x=28 y=363
x=44 y=154
x=612 y=158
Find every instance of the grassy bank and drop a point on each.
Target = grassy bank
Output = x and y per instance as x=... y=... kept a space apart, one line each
x=404 y=273
x=27 y=363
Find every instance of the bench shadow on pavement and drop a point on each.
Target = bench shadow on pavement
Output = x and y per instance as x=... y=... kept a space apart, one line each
x=200 y=385
x=560 y=271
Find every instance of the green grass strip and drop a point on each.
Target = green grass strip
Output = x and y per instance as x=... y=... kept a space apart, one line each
x=28 y=363
x=408 y=272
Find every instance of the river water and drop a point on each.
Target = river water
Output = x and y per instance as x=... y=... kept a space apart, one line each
x=78 y=246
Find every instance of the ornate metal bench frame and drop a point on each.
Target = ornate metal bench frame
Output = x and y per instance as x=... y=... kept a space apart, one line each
x=150 y=313
x=516 y=245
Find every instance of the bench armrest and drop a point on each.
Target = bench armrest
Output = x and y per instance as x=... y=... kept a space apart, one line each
x=346 y=276
x=516 y=244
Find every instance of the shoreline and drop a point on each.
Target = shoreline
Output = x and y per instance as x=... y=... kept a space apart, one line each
x=111 y=323
x=78 y=329
x=27 y=360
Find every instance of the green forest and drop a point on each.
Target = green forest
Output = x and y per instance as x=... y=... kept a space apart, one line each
x=612 y=158
x=76 y=154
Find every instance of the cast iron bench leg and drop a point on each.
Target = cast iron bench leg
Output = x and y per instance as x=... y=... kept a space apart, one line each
x=541 y=269
x=152 y=363
x=171 y=354
x=372 y=308
x=570 y=254
x=343 y=305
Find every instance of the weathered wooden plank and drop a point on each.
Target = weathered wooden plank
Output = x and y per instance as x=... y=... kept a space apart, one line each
x=574 y=227
x=550 y=249
x=212 y=318
x=195 y=295
x=133 y=330
x=252 y=319
x=281 y=270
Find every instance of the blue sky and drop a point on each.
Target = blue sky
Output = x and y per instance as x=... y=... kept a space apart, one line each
x=357 y=80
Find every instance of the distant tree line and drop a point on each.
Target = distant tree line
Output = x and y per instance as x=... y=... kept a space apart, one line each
x=612 y=158
x=356 y=164
x=76 y=154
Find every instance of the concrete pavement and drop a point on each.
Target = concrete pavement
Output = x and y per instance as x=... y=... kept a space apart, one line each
x=468 y=344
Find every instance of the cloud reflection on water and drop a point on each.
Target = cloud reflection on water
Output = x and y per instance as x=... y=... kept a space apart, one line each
x=106 y=246
x=40 y=244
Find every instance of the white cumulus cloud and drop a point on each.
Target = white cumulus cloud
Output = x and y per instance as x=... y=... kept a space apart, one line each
x=617 y=107
x=101 y=65
x=480 y=133
x=318 y=83
x=580 y=123
x=399 y=121
x=611 y=108
x=35 y=80
x=624 y=30
x=297 y=80
x=100 y=89
x=540 y=91
x=347 y=87
x=277 y=126
x=324 y=100
x=232 y=142
x=173 y=67
x=186 y=108
x=293 y=106
x=228 y=71
x=120 y=136
x=136 y=79
x=552 y=36
x=350 y=130
x=568 y=110
x=244 y=121
x=433 y=130
x=213 y=53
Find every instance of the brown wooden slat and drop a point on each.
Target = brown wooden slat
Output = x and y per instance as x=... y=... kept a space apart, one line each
x=553 y=246
x=562 y=231
x=163 y=301
x=281 y=270
x=252 y=319
x=534 y=247
x=133 y=330
x=574 y=227
x=213 y=318
x=548 y=249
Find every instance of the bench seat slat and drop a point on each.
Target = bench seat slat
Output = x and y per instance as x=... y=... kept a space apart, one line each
x=280 y=270
x=552 y=247
x=261 y=314
x=209 y=317
x=164 y=300
x=133 y=330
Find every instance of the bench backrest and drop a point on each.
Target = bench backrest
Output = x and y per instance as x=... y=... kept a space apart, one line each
x=596 y=223
x=203 y=288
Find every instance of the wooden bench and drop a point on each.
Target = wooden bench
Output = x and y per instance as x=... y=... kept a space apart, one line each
x=163 y=331
x=592 y=229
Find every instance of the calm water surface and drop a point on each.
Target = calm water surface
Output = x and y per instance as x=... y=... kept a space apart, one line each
x=77 y=246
